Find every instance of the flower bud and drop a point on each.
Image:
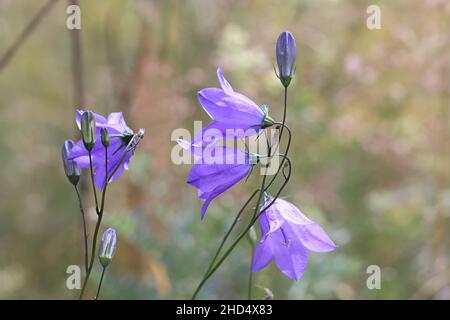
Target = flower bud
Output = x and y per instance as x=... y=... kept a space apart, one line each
x=107 y=247
x=105 y=137
x=88 y=129
x=252 y=235
x=286 y=52
x=72 y=170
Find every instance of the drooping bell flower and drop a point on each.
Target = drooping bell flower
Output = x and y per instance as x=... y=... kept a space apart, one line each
x=286 y=51
x=232 y=113
x=216 y=169
x=121 y=140
x=286 y=236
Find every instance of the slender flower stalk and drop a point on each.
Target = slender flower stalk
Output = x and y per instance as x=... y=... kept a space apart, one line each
x=225 y=238
x=251 y=237
x=73 y=173
x=91 y=171
x=97 y=295
x=85 y=234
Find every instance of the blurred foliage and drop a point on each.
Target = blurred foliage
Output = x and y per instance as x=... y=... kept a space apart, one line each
x=369 y=111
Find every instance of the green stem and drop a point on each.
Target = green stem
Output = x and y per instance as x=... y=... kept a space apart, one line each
x=225 y=238
x=91 y=169
x=250 y=276
x=210 y=271
x=85 y=236
x=254 y=219
x=283 y=126
x=239 y=238
x=94 y=246
x=100 y=284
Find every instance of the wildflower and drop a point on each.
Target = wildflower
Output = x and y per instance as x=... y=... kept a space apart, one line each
x=286 y=237
x=217 y=169
x=122 y=140
x=107 y=247
x=231 y=111
x=286 y=55
x=71 y=169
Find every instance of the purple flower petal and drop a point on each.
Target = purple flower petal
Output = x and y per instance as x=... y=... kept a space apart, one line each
x=99 y=119
x=217 y=170
x=290 y=256
x=315 y=239
x=273 y=220
x=310 y=232
x=117 y=121
x=217 y=131
x=226 y=86
x=213 y=180
x=263 y=252
x=262 y=256
x=115 y=153
x=231 y=109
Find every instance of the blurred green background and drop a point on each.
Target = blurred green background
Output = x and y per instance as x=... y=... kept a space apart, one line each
x=369 y=110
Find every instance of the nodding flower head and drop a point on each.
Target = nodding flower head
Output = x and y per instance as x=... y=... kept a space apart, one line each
x=286 y=236
x=122 y=143
x=231 y=112
x=107 y=247
x=286 y=56
x=71 y=168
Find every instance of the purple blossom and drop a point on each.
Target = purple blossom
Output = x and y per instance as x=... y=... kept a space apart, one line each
x=286 y=236
x=120 y=136
x=217 y=169
x=230 y=111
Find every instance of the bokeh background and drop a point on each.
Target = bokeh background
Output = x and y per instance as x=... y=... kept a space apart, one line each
x=369 y=110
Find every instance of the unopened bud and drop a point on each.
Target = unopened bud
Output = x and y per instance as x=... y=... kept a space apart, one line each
x=71 y=169
x=107 y=247
x=252 y=235
x=105 y=137
x=88 y=129
x=286 y=54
